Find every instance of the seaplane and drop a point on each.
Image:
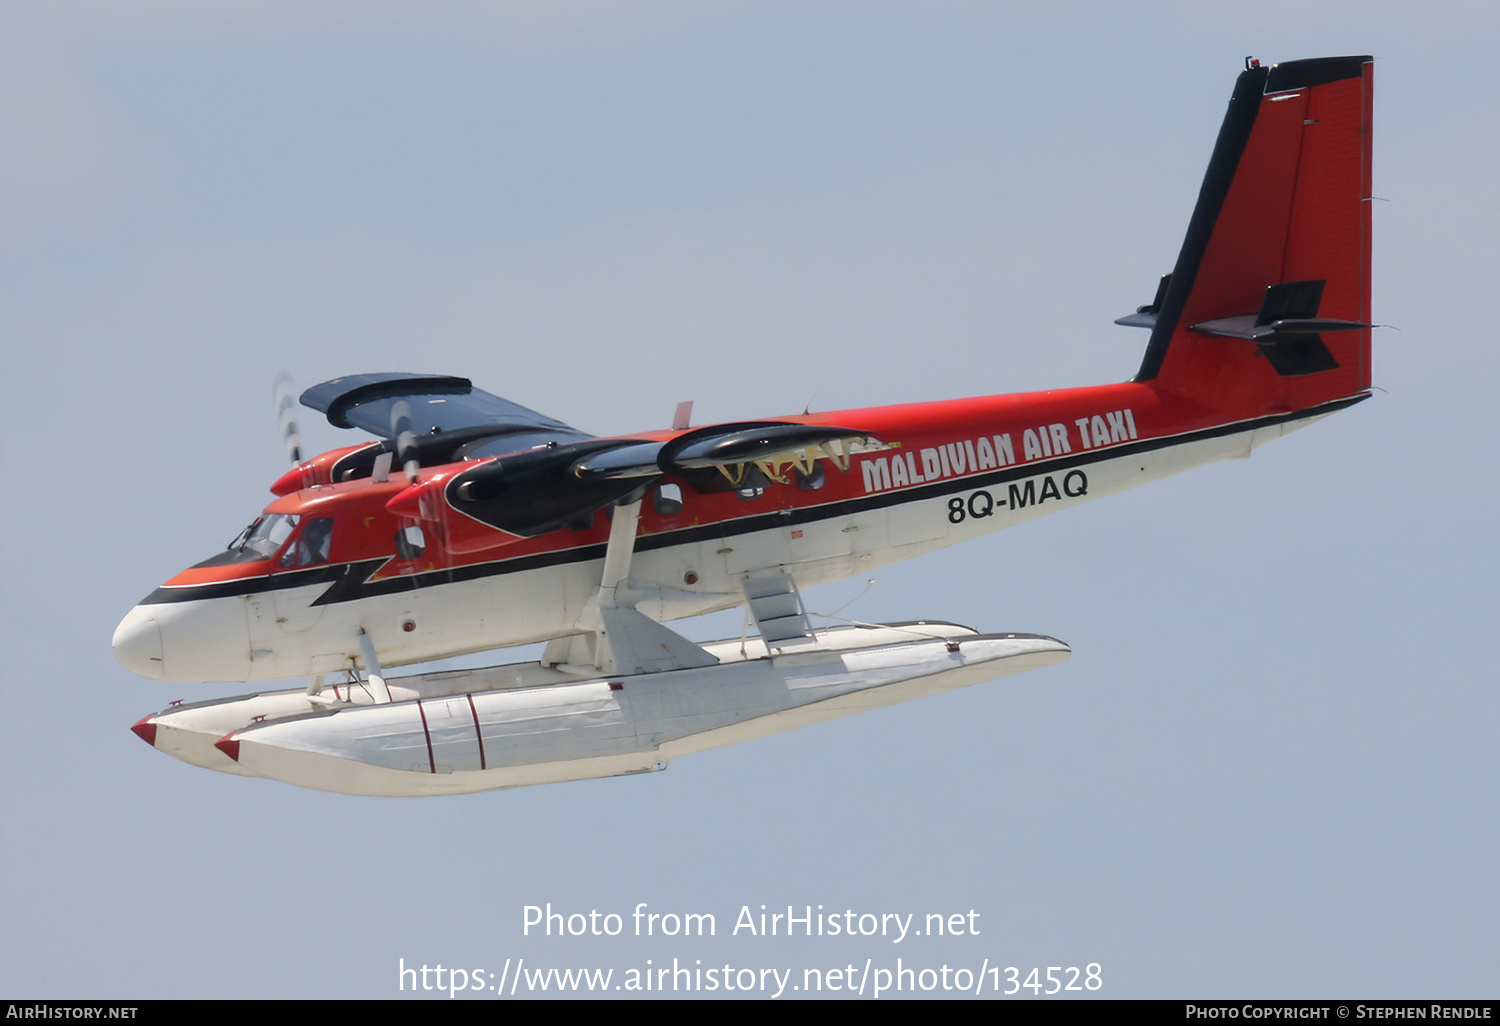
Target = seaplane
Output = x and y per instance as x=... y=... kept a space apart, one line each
x=469 y=523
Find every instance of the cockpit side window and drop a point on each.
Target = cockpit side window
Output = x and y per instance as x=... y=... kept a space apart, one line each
x=410 y=542
x=311 y=545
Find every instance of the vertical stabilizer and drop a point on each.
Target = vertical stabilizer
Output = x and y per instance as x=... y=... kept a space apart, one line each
x=1269 y=302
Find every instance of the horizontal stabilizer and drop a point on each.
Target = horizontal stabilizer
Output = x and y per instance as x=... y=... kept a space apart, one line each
x=1145 y=316
x=1286 y=328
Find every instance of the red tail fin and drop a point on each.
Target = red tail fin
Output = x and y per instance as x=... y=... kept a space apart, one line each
x=1269 y=304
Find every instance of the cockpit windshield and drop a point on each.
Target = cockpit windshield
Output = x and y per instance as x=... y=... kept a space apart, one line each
x=262 y=538
x=268 y=533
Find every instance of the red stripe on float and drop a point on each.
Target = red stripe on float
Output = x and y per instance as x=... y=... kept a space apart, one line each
x=431 y=763
x=477 y=733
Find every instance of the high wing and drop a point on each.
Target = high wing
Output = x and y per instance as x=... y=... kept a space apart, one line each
x=422 y=420
x=530 y=474
x=541 y=490
x=435 y=404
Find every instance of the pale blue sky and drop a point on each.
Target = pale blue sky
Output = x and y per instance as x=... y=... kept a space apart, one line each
x=1269 y=769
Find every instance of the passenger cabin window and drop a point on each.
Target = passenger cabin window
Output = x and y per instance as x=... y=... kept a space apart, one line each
x=666 y=499
x=754 y=485
x=311 y=546
x=810 y=482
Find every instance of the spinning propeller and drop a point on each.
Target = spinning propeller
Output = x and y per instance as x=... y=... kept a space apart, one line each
x=286 y=416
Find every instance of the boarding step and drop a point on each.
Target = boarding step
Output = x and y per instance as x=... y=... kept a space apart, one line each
x=776 y=605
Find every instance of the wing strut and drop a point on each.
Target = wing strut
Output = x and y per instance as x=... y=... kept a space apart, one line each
x=619 y=638
x=373 y=673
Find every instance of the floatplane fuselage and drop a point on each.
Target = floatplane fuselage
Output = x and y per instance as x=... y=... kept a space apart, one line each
x=474 y=523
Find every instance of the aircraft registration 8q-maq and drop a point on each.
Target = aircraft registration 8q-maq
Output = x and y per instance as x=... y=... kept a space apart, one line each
x=471 y=523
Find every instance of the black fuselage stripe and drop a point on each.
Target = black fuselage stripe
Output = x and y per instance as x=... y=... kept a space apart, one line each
x=350 y=581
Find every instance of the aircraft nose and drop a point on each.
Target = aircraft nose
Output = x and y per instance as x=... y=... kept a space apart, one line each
x=137 y=644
